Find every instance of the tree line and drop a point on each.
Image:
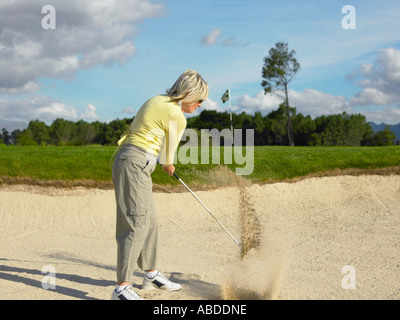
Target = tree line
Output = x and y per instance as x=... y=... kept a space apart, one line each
x=67 y=133
x=331 y=130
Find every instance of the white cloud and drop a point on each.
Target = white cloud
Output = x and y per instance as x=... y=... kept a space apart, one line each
x=29 y=87
x=90 y=113
x=55 y=110
x=371 y=96
x=388 y=115
x=208 y=104
x=308 y=102
x=43 y=108
x=261 y=102
x=316 y=103
x=88 y=33
x=212 y=37
x=36 y=107
x=380 y=81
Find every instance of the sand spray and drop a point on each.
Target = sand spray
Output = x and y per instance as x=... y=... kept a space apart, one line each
x=251 y=228
x=257 y=273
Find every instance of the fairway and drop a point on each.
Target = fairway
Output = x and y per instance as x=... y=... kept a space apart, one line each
x=68 y=166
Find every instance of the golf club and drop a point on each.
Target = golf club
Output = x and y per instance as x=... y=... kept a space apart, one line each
x=180 y=180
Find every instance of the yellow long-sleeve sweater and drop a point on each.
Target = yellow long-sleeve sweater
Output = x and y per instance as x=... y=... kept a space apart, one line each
x=157 y=128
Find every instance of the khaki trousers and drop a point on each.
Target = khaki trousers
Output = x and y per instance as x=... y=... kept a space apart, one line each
x=137 y=223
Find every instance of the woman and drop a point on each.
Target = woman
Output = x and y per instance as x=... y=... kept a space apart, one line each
x=154 y=134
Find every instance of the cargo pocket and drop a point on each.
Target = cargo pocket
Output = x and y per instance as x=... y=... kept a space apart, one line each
x=139 y=217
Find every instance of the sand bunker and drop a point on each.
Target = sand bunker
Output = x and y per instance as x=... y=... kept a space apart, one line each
x=299 y=235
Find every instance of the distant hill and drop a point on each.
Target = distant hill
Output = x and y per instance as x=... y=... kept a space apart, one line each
x=380 y=127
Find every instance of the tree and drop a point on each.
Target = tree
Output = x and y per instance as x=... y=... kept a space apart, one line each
x=341 y=130
x=25 y=138
x=39 y=131
x=384 y=138
x=6 y=137
x=61 y=131
x=258 y=125
x=84 y=133
x=303 y=128
x=277 y=126
x=279 y=69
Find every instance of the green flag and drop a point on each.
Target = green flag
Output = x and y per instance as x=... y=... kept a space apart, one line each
x=225 y=97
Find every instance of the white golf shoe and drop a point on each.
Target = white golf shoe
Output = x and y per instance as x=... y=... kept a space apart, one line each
x=128 y=293
x=159 y=281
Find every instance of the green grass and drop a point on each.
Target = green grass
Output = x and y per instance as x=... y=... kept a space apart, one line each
x=279 y=163
x=271 y=163
x=55 y=163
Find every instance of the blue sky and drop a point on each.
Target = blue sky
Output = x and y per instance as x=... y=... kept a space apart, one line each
x=107 y=57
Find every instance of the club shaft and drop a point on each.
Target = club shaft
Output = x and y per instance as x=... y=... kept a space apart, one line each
x=222 y=226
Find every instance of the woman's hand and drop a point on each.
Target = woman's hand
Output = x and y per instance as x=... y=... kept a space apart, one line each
x=169 y=169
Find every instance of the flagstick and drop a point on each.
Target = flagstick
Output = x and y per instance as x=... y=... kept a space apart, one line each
x=230 y=109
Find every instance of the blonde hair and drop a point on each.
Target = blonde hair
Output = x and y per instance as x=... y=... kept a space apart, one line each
x=189 y=88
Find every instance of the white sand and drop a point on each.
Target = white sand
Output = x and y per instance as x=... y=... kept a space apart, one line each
x=311 y=229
